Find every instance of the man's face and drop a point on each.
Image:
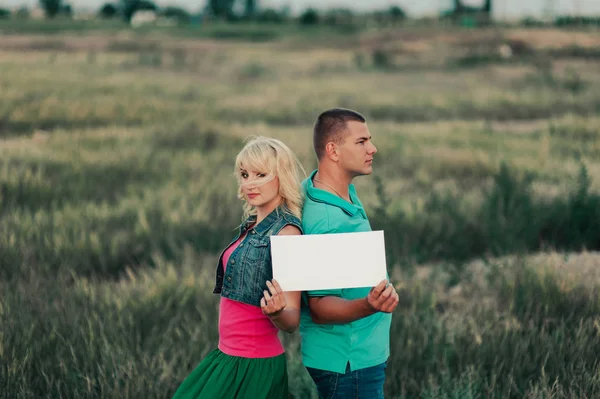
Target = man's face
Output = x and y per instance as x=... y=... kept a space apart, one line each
x=357 y=150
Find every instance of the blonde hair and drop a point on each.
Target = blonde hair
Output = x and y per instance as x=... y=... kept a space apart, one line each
x=272 y=157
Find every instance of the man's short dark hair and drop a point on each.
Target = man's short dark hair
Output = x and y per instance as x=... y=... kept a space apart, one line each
x=330 y=125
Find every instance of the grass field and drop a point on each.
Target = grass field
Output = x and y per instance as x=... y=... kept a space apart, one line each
x=117 y=194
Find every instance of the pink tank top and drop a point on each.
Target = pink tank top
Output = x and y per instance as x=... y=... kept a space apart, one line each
x=243 y=330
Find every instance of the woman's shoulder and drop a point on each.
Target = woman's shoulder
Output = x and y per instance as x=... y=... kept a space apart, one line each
x=289 y=222
x=290 y=230
x=290 y=218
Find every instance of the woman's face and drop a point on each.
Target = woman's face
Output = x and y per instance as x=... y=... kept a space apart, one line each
x=256 y=192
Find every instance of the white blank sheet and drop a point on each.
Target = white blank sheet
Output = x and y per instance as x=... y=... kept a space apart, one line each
x=328 y=261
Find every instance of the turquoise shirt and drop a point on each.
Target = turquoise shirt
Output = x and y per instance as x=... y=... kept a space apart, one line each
x=365 y=342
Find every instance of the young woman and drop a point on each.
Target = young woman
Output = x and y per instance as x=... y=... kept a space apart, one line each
x=250 y=360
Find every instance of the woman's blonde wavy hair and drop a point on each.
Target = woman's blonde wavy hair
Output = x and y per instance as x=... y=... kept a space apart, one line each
x=272 y=157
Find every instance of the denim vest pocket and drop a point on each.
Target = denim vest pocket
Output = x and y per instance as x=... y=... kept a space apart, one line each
x=258 y=266
x=257 y=249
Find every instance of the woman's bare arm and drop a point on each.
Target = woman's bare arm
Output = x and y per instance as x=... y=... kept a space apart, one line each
x=283 y=308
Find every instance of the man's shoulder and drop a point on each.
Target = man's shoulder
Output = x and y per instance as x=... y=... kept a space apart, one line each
x=320 y=217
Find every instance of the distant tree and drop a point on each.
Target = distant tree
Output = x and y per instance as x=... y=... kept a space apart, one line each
x=147 y=5
x=286 y=11
x=221 y=8
x=464 y=13
x=487 y=7
x=22 y=13
x=571 y=20
x=270 y=15
x=309 y=17
x=339 y=16
x=108 y=10
x=397 y=13
x=130 y=7
x=51 y=7
x=66 y=10
x=459 y=7
x=251 y=8
x=177 y=13
x=4 y=13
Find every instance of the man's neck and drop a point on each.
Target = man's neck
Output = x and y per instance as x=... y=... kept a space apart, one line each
x=334 y=181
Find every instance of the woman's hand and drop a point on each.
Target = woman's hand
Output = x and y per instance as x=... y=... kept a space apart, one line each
x=273 y=301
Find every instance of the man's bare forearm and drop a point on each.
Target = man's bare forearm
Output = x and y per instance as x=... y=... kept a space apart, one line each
x=334 y=310
x=287 y=320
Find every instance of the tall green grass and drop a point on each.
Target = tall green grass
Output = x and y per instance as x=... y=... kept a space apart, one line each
x=117 y=194
x=517 y=333
x=509 y=218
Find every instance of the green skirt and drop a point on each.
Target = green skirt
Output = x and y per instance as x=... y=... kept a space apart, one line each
x=220 y=376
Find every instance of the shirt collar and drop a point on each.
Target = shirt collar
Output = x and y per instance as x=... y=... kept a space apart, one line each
x=265 y=225
x=318 y=195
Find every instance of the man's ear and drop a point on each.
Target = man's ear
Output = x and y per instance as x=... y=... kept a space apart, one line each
x=331 y=149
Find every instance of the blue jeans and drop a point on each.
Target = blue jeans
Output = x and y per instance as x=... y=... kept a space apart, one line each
x=359 y=384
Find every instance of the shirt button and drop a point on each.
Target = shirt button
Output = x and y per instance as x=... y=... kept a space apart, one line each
x=241 y=245
x=228 y=278
x=232 y=262
x=253 y=232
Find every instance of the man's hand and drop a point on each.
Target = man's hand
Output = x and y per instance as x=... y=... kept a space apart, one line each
x=274 y=302
x=382 y=298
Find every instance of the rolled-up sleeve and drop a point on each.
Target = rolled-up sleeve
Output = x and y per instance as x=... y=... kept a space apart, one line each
x=318 y=293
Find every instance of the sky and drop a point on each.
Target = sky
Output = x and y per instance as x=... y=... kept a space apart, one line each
x=502 y=8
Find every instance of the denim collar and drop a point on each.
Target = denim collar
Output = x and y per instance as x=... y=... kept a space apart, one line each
x=266 y=224
x=316 y=194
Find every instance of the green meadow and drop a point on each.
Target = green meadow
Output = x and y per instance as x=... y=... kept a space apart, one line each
x=117 y=195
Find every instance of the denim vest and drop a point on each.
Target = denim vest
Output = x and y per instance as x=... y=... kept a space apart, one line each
x=249 y=265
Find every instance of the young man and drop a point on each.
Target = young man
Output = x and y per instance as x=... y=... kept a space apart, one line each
x=345 y=332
